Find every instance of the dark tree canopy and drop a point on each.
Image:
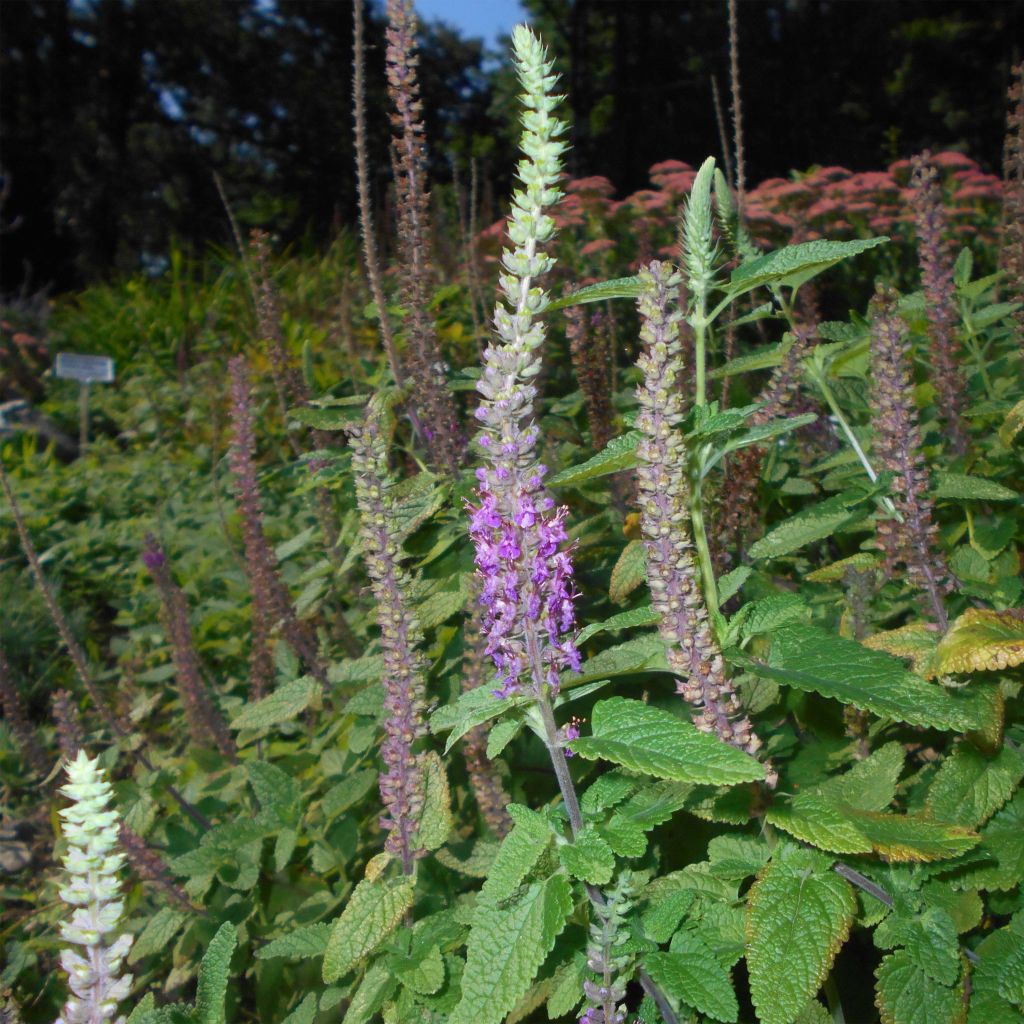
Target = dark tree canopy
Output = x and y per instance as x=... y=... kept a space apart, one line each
x=117 y=113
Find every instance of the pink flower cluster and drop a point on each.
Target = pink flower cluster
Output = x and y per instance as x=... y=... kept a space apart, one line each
x=525 y=579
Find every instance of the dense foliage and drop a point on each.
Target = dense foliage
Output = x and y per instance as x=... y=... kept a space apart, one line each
x=652 y=654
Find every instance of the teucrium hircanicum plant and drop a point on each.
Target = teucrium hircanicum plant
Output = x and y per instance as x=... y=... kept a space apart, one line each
x=92 y=892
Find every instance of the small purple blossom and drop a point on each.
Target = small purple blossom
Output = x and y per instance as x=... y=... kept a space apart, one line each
x=571 y=732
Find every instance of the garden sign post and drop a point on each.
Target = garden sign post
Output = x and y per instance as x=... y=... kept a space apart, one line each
x=84 y=369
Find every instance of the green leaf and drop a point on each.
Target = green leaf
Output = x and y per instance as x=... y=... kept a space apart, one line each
x=731 y=582
x=567 y=988
x=645 y=652
x=341 y=796
x=629 y=571
x=766 y=431
x=870 y=784
x=427 y=976
x=619 y=288
x=817 y=661
x=501 y=735
x=970 y=787
x=931 y=942
x=377 y=985
x=1001 y=843
x=156 y=936
x=971 y=488
x=473 y=708
x=607 y=791
x=518 y=854
x=506 y=947
x=435 y=823
x=662 y=918
x=811 y=524
x=763 y=358
x=213 y=976
x=287 y=701
x=308 y=940
x=982 y=640
x=642 y=616
x=997 y=968
x=370 y=916
x=911 y=837
x=305 y=1012
x=818 y=822
x=277 y=792
x=905 y=994
x=588 y=857
x=646 y=739
x=798 y=916
x=768 y=614
x=693 y=975
x=617 y=455
x=795 y=264
x=1012 y=425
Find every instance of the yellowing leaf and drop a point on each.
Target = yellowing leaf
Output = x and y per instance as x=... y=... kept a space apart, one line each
x=982 y=640
x=629 y=571
x=916 y=642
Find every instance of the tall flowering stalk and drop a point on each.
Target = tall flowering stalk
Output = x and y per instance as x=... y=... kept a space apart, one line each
x=17 y=721
x=526 y=590
x=588 y=346
x=93 y=963
x=149 y=865
x=908 y=540
x=605 y=957
x=271 y=604
x=434 y=401
x=939 y=298
x=672 y=570
x=69 y=726
x=401 y=785
x=205 y=722
x=1011 y=254
x=739 y=510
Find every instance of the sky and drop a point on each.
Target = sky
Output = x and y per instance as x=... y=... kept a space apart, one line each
x=486 y=18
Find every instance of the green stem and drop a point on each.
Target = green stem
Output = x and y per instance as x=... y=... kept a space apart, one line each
x=979 y=357
x=700 y=539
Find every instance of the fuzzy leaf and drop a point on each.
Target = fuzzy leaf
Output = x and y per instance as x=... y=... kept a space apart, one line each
x=588 y=857
x=662 y=919
x=970 y=787
x=341 y=796
x=506 y=947
x=982 y=640
x=646 y=739
x=645 y=615
x=795 y=263
x=870 y=784
x=811 y=524
x=645 y=652
x=427 y=976
x=905 y=994
x=213 y=976
x=694 y=975
x=798 y=916
x=518 y=854
x=618 y=454
x=308 y=940
x=916 y=642
x=971 y=488
x=156 y=936
x=287 y=701
x=1012 y=425
x=629 y=571
x=377 y=985
x=619 y=288
x=995 y=973
x=818 y=822
x=815 y=660
x=370 y=916
x=567 y=987
x=435 y=823
x=1001 y=843
x=911 y=837
x=931 y=942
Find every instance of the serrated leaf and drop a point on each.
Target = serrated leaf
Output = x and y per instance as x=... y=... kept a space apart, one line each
x=818 y=822
x=567 y=987
x=911 y=837
x=982 y=640
x=970 y=787
x=588 y=857
x=435 y=824
x=764 y=358
x=645 y=652
x=971 y=488
x=916 y=642
x=287 y=701
x=617 y=455
x=818 y=661
x=730 y=584
x=996 y=955
x=904 y=994
x=370 y=916
x=811 y=524
x=473 y=708
x=1001 y=843
x=931 y=942
x=1012 y=425
x=156 y=936
x=762 y=432
x=662 y=918
x=213 y=976
x=646 y=739
x=377 y=985
x=277 y=792
x=341 y=796
x=768 y=614
x=619 y=288
x=518 y=854
x=870 y=784
x=653 y=804
x=308 y=940
x=629 y=571
x=799 y=914
x=795 y=264
x=506 y=947
x=501 y=735
x=861 y=562
x=439 y=606
x=305 y=1012
x=642 y=616
x=607 y=791
x=694 y=976
x=427 y=976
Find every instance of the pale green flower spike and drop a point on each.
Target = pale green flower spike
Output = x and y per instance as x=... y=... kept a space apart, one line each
x=92 y=890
